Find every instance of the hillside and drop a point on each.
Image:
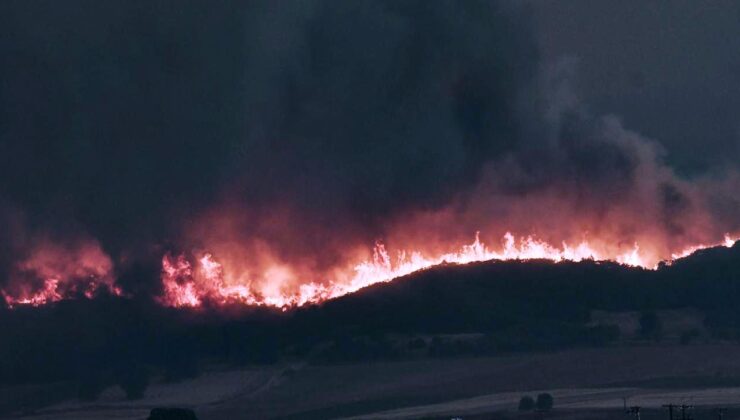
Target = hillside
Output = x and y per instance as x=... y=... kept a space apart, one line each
x=482 y=309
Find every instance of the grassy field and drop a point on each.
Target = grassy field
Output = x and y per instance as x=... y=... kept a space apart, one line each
x=582 y=381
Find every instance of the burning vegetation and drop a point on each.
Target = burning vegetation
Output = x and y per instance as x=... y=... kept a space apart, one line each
x=52 y=273
x=188 y=284
x=255 y=158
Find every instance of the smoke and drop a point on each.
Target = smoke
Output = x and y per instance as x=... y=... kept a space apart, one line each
x=286 y=138
x=361 y=111
x=42 y=266
x=579 y=177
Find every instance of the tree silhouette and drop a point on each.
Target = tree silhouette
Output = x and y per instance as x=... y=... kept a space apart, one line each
x=650 y=325
x=526 y=403
x=544 y=402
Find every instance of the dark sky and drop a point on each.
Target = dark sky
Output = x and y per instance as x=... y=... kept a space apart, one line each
x=671 y=70
x=125 y=121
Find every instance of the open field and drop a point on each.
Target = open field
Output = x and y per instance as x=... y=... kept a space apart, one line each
x=582 y=381
x=572 y=401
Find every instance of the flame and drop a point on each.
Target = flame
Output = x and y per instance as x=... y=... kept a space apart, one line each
x=185 y=286
x=52 y=272
x=728 y=242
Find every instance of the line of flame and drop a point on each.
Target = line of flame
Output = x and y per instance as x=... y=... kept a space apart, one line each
x=184 y=287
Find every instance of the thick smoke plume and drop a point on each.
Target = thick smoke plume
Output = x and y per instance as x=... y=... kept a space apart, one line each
x=284 y=139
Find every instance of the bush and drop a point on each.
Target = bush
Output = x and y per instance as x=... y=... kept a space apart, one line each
x=688 y=336
x=544 y=402
x=180 y=367
x=650 y=325
x=417 y=343
x=89 y=386
x=602 y=335
x=134 y=382
x=354 y=349
x=440 y=347
x=526 y=403
x=172 y=414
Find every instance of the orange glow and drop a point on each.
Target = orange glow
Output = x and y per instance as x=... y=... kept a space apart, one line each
x=279 y=287
x=727 y=242
x=52 y=272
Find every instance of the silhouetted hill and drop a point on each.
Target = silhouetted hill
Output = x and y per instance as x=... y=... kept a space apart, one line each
x=513 y=306
x=488 y=296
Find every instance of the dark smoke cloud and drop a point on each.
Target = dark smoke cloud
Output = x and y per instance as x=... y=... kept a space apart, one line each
x=671 y=70
x=304 y=126
x=114 y=115
x=372 y=107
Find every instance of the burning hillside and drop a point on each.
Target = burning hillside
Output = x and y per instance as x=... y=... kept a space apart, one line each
x=188 y=284
x=254 y=154
x=52 y=273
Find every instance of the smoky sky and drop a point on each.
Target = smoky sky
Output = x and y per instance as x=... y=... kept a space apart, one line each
x=124 y=121
x=671 y=70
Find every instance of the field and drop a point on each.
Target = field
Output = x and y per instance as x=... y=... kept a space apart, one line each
x=585 y=384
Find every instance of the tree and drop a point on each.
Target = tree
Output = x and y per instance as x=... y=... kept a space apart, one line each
x=180 y=366
x=134 y=381
x=688 y=336
x=526 y=403
x=417 y=343
x=650 y=325
x=544 y=402
x=90 y=385
x=172 y=414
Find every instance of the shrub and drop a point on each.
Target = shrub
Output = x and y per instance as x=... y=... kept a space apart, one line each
x=180 y=367
x=90 y=386
x=688 y=336
x=353 y=349
x=134 y=382
x=544 y=402
x=526 y=403
x=417 y=343
x=602 y=335
x=650 y=325
x=172 y=414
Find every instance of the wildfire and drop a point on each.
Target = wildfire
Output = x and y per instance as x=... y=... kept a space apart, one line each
x=188 y=286
x=727 y=242
x=52 y=272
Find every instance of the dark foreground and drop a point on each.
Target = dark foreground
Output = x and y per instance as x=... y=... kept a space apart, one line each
x=428 y=343
x=585 y=384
